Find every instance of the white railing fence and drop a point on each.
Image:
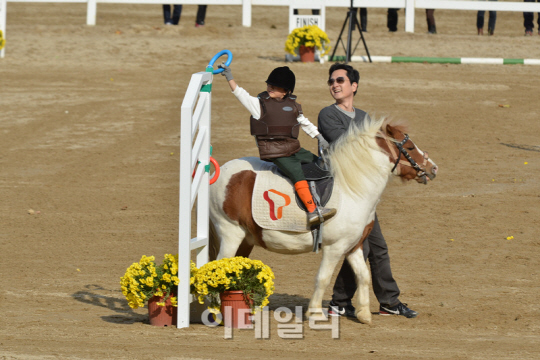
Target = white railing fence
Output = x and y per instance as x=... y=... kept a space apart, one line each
x=195 y=125
x=408 y=5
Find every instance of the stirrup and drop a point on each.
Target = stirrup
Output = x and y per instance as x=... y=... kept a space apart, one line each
x=320 y=215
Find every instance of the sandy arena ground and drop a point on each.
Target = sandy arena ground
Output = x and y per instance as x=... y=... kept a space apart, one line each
x=89 y=140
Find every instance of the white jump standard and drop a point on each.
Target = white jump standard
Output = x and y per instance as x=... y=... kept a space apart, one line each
x=195 y=125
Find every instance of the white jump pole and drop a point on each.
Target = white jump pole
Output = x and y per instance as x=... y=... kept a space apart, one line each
x=439 y=60
x=194 y=150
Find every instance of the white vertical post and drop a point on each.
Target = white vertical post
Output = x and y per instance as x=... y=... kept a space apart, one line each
x=91 y=11
x=409 y=15
x=203 y=195
x=3 y=18
x=198 y=92
x=323 y=16
x=184 y=204
x=246 y=13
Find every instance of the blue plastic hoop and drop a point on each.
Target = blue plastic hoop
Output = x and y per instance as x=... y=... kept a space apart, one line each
x=217 y=56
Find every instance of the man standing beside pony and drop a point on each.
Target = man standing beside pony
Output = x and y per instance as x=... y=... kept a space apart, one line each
x=334 y=120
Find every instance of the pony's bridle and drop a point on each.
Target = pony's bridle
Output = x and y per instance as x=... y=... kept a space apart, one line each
x=420 y=171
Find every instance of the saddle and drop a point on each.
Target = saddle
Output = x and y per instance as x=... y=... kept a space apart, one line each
x=273 y=194
x=320 y=181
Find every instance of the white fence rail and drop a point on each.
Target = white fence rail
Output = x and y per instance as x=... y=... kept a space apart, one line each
x=408 y=5
x=195 y=125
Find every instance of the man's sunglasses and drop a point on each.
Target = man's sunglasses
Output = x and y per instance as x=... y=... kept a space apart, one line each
x=340 y=80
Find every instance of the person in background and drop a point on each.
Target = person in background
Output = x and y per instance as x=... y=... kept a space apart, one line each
x=363 y=19
x=201 y=15
x=313 y=11
x=432 y=29
x=392 y=20
x=177 y=13
x=528 y=21
x=491 y=22
x=175 y=18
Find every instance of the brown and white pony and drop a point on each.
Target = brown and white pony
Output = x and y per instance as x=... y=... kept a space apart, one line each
x=361 y=161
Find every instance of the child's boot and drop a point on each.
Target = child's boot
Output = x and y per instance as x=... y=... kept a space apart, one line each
x=315 y=216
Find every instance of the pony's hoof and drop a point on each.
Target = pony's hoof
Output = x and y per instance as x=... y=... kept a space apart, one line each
x=364 y=317
x=364 y=321
x=315 y=314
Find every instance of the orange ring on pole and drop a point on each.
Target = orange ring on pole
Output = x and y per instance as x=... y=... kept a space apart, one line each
x=214 y=178
x=216 y=174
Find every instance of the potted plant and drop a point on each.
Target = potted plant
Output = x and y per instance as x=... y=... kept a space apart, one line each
x=304 y=40
x=249 y=282
x=145 y=282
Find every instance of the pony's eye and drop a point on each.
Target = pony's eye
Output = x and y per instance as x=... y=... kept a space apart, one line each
x=410 y=148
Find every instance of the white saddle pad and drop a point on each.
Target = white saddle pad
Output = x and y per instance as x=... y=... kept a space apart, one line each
x=274 y=205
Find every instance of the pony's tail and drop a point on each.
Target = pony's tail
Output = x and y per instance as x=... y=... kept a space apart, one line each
x=213 y=243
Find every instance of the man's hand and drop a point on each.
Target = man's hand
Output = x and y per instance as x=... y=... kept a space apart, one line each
x=322 y=142
x=226 y=71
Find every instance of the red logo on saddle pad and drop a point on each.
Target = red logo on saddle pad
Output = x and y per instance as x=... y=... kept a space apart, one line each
x=279 y=214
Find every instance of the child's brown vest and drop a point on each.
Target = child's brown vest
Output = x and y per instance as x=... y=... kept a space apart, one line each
x=277 y=129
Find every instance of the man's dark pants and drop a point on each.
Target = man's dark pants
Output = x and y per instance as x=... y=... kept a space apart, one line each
x=384 y=285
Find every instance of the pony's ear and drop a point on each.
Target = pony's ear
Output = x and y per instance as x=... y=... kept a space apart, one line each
x=389 y=131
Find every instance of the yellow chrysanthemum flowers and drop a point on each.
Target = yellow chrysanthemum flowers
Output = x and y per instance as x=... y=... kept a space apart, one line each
x=238 y=273
x=144 y=279
x=2 y=40
x=309 y=36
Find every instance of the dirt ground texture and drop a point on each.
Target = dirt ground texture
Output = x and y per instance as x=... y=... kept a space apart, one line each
x=89 y=140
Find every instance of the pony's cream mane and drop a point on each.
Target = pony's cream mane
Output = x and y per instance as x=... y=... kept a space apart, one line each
x=352 y=157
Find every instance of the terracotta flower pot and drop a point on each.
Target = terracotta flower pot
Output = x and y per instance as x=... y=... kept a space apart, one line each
x=307 y=54
x=162 y=315
x=235 y=310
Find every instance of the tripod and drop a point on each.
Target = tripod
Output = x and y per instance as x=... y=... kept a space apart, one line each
x=353 y=21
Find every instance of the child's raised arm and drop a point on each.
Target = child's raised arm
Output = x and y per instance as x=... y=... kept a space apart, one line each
x=251 y=103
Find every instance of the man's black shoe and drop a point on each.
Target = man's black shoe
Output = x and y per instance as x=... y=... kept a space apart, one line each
x=399 y=309
x=335 y=310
